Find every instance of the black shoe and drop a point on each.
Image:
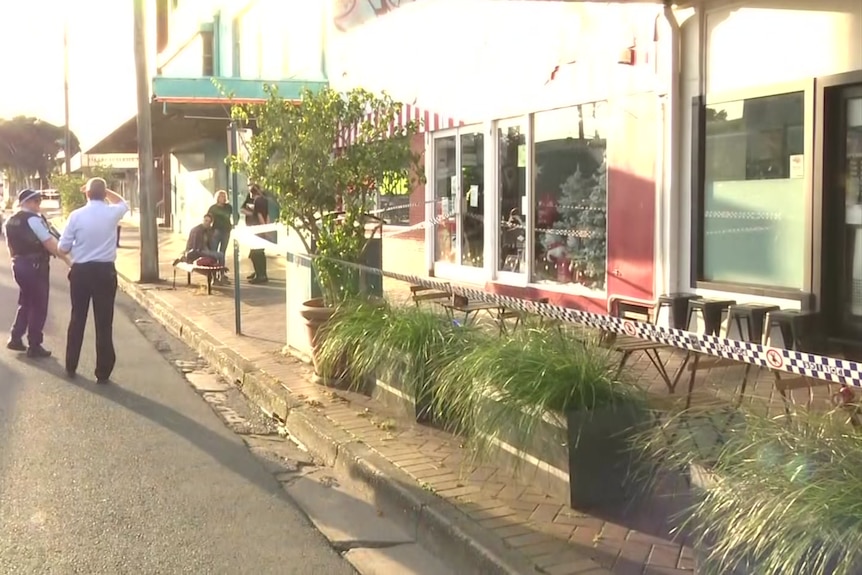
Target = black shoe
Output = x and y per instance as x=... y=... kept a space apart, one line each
x=70 y=373
x=16 y=345
x=251 y=277
x=103 y=380
x=259 y=280
x=37 y=351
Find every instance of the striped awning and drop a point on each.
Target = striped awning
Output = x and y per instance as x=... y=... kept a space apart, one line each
x=428 y=122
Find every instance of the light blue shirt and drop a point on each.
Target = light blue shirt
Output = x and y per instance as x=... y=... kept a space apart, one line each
x=91 y=232
x=39 y=227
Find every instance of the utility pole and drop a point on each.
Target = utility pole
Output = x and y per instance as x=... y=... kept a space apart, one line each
x=67 y=142
x=148 y=228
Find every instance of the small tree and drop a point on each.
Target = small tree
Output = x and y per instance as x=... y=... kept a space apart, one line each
x=324 y=158
x=69 y=187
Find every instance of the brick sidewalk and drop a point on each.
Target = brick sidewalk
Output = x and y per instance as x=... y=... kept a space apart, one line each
x=555 y=538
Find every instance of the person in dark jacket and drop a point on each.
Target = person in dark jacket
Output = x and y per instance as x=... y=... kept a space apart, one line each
x=256 y=210
x=31 y=242
x=198 y=246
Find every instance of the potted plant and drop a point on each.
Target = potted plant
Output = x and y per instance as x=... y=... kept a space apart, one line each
x=323 y=158
x=772 y=495
x=540 y=396
x=393 y=353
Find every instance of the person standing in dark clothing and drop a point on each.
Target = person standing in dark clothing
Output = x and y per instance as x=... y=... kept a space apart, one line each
x=31 y=244
x=90 y=239
x=256 y=210
x=222 y=216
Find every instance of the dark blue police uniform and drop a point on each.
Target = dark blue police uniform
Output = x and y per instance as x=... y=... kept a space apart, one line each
x=31 y=271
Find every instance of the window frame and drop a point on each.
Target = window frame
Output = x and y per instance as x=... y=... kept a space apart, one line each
x=698 y=143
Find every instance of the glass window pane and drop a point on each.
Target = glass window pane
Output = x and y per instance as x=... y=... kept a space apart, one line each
x=444 y=196
x=473 y=199
x=571 y=189
x=512 y=147
x=754 y=188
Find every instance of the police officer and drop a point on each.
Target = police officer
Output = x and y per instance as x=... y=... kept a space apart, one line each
x=31 y=244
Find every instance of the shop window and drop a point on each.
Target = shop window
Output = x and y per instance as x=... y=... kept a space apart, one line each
x=570 y=196
x=753 y=229
x=459 y=194
x=512 y=196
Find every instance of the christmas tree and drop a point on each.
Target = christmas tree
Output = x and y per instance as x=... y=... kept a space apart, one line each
x=581 y=245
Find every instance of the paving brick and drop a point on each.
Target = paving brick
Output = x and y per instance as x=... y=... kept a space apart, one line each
x=544 y=512
x=579 y=567
x=456 y=491
x=527 y=539
x=508 y=530
x=544 y=548
x=664 y=556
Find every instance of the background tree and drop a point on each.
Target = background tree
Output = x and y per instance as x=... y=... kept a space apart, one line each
x=324 y=160
x=30 y=146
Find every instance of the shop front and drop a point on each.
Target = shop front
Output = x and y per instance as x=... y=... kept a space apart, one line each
x=545 y=185
x=775 y=192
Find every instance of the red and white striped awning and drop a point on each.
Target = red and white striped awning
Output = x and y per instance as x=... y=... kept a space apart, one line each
x=428 y=122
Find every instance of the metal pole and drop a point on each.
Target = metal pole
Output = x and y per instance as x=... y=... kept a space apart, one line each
x=67 y=141
x=148 y=228
x=234 y=185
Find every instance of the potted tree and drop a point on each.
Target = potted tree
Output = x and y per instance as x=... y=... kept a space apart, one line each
x=324 y=158
x=541 y=396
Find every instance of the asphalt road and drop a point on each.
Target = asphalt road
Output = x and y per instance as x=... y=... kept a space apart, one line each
x=138 y=476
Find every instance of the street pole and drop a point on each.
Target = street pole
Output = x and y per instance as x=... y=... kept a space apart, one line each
x=67 y=141
x=234 y=200
x=148 y=228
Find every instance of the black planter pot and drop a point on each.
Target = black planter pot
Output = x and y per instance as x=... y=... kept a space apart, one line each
x=584 y=457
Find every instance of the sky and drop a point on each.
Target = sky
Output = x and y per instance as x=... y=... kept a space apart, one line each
x=31 y=59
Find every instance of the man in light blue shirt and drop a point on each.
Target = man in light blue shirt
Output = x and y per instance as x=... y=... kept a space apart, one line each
x=31 y=245
x=90 y=238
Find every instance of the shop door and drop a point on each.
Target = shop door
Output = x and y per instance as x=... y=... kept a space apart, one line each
x=842 y=212
x=459 y=203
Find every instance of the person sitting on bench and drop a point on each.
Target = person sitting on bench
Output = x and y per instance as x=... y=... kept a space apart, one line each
x=198 y=246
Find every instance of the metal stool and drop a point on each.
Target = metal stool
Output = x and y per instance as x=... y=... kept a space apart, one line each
x=745 y=322
x=672 y=310
x=707 y=315
x=789 y=329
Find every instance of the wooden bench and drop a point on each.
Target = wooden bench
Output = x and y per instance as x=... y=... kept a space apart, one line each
x=209 y=271
x=420 y=293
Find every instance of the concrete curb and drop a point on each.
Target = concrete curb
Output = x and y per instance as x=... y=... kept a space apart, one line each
x=434 y=523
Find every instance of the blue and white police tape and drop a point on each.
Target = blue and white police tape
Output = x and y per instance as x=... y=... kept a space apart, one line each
x=832 y=369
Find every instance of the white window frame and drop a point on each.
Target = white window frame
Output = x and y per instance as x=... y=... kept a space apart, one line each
x=522 y=278
x=446 y=270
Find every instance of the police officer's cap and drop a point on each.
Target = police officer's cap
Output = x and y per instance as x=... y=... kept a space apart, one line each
x=27 y=195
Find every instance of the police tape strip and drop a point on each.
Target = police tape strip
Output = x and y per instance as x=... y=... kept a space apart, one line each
x=832 y=369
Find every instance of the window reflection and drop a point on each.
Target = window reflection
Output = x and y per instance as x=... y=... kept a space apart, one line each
x=473 y=199
x=570 y=197
x=511 y=143
x=444 y=196
x=754 y=191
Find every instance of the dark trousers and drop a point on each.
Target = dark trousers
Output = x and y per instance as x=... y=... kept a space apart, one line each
x=219 y=241
x=258 y=261
x=96 y=282
x=34 y=283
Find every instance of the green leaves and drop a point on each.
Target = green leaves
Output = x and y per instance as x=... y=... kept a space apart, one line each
x=327 y=153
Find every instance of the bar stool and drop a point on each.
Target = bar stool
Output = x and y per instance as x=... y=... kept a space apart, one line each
x=745 y=322
x=789 y=329
x=707 y=315
x=672 y=310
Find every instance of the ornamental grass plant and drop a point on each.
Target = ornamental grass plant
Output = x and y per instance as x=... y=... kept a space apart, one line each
x=508 y=385
x=783 y=495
